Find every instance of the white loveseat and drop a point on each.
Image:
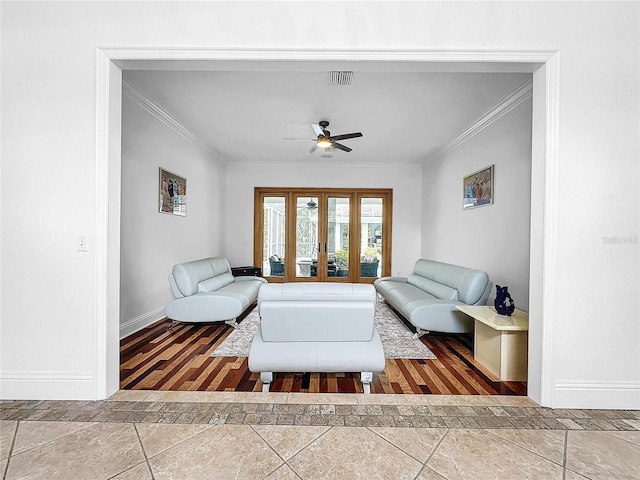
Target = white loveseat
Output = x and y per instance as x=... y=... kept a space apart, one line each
x=428 y=297
x=206 y=291
x=316 y=327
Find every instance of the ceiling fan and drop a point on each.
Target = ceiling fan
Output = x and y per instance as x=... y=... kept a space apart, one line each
x=324 y=139
x=310 y=205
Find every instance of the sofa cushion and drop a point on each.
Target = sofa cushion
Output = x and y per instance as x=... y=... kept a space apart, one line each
x=436 y=289
x=325 y=291
x=215 y=283
x=405 y=293
x=248 y=290
x=316 y=356
x=385 y=285
x=317 y=321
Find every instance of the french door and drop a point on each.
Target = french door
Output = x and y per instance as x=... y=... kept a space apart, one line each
x=326 y=234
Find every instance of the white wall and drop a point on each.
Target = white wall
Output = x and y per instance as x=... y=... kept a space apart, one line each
x=404 y=180
x=152 y=242
x=492 y=238
x=50 y=186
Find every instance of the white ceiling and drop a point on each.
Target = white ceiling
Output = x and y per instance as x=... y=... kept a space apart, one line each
x=406 y=114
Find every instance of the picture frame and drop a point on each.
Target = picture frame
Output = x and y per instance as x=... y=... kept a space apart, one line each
x=478 y=188
x=172 y=191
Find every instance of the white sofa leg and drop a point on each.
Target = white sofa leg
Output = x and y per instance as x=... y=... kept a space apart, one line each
x=366 y=378
x=266 y=378
x=419 y=333
x=232 y=322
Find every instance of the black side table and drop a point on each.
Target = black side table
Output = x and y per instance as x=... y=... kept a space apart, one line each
x=246 y=271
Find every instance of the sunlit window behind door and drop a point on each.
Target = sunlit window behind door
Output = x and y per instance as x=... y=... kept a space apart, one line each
x=307 y=247
x=274 y=216
x=370 y=237
x=338 y=237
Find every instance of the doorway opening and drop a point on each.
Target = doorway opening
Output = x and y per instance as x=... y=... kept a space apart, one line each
x=543 y=65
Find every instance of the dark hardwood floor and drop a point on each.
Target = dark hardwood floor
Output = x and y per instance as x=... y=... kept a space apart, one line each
x=159 y=358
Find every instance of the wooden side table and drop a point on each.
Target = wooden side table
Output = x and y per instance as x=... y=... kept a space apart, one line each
x=500 y=343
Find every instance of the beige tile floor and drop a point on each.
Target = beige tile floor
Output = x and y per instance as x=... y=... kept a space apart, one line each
x=587 y=446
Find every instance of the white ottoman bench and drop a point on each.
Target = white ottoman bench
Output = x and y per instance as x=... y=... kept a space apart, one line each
x=316 y=327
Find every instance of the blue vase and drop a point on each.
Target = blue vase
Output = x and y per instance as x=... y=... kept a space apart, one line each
x=503 y=302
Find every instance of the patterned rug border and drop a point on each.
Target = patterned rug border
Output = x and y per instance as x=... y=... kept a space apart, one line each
x=397 y=339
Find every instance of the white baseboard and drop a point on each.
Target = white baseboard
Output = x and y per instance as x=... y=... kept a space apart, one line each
x=141 y=321
x=44 y=385
x=614 y=396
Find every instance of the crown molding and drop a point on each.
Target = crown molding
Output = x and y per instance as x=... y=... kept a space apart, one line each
x=159 y=112
x=164 y=116
x=500 y=109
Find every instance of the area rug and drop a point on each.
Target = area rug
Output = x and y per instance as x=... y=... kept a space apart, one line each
x=397 y=340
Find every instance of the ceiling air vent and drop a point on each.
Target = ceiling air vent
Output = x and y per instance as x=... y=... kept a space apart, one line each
x=340 y=79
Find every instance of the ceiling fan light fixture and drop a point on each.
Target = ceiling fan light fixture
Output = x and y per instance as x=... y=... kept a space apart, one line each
x=324 y=142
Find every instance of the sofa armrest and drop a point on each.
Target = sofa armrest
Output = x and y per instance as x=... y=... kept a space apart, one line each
x=174 y=287
x=204 y=307
x=391 y=279
x=249 y=278
x=438 y=315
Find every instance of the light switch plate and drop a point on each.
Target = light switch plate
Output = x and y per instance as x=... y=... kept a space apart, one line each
x=81 y=243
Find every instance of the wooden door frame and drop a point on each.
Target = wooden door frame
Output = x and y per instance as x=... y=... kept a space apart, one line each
x=355 y=194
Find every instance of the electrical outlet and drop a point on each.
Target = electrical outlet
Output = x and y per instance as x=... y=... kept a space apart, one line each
x=81 y=243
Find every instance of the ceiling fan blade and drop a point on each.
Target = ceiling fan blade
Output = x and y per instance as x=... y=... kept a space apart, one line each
x=318 y=129
x=301 y=139
x=314 y=148
x=346 y=136
x=340 y=146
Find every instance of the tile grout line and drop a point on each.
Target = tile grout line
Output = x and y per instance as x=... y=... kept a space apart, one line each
x=11 y=448
x=286 y=462
x=435 y=449
x=144 y=452
x=608 y=432
x=493 y=432
x=564 y=455
x=394 y=445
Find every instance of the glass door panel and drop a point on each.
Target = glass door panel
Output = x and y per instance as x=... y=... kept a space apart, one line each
x=333 y=234
x=306 y=237
x=370 y=237
x=337 y=241
x=273 y=236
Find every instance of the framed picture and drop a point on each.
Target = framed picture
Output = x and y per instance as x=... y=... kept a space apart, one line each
x=477 y=189
x=173 y=193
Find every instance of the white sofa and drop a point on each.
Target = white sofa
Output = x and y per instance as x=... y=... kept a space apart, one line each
x=428 y=297
x=206 y=291
x=316 y=327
